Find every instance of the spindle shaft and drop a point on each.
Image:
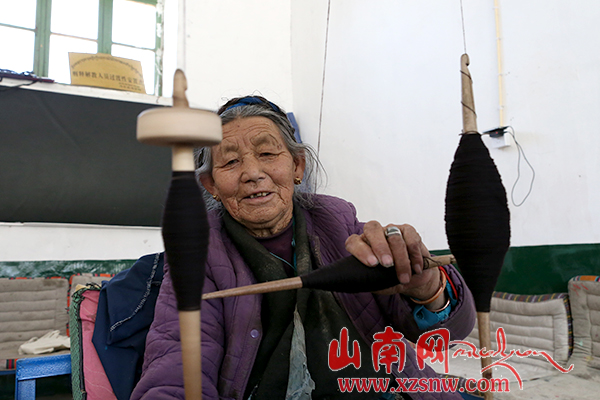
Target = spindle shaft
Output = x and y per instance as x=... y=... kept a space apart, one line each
x=485 y=341
x=477 y=216
x=191 y=354
x=297 y=283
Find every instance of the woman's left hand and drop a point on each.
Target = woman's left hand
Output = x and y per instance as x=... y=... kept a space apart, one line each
x=403 y=251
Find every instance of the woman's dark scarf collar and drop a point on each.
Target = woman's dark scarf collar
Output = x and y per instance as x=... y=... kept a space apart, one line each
x=271 y=366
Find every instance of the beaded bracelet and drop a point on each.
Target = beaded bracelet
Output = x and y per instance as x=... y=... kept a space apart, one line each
x=436 y=295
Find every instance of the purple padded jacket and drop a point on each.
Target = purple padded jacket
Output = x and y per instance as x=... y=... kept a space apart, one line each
x=231 y=327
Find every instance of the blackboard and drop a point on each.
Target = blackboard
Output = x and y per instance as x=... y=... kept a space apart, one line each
x=74 y=159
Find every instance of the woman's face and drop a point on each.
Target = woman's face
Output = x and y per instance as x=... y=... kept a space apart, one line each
x=253 y=174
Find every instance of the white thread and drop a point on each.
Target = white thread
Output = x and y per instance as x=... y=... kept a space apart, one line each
x=323 y=80
x=462 y=18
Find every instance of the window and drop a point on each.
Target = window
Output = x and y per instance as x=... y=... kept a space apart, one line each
x=37 y=35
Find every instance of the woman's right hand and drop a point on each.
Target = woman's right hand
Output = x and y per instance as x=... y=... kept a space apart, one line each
x=403 y=251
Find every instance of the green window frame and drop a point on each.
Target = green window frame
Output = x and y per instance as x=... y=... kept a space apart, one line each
x=104 y=41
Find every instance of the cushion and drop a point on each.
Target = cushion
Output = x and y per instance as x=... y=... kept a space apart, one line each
x=30 y=307
x=529 y=322
x=89 y=380
x=584 y=293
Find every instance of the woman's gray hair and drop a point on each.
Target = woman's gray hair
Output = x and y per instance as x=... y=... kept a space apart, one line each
x=303 y=193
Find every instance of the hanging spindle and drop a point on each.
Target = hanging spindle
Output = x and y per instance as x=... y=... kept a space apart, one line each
x=184 y=223
x=477 y=216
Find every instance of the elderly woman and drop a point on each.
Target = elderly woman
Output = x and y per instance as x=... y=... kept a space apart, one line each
x=265 y=224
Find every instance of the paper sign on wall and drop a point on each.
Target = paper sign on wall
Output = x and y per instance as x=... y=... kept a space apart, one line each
x=106 y=71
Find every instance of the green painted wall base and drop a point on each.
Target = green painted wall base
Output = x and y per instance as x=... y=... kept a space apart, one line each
x=526 y=270
x=36 y=269
x=545 y=269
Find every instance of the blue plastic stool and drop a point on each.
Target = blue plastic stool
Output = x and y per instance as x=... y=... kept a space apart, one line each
x=30 y=369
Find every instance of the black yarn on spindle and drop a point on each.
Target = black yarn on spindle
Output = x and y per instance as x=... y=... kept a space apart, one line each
x=185 y=236
x=477 y=218
x=349 y=275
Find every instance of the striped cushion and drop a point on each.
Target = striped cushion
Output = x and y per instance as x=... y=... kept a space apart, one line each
x=584 y=293
x=30 y=307
x=538 y=298
x=532 y=322
x=529 y=323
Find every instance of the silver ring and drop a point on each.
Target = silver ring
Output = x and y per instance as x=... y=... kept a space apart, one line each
x=392 y=230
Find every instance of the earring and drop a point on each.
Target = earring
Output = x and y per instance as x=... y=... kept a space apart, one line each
x=217 y=198
x=297 y=181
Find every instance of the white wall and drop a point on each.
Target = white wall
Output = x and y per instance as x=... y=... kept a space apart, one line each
x=40 y=242
x=238 y=47
x=392 y=115
x=553 y=98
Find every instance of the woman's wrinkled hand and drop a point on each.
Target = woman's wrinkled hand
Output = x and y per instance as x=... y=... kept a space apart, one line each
x=404 y=252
